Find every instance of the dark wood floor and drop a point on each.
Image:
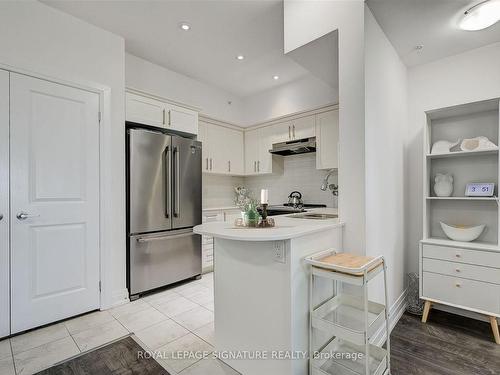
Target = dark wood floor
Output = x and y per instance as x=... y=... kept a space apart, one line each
x=447 y=344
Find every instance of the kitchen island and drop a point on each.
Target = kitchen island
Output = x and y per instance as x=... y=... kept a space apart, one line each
x=261 y=291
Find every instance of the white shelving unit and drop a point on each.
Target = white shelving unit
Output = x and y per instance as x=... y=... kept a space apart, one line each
x=451 y=272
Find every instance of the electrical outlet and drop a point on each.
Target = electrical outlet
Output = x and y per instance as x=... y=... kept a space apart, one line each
x=279 y=251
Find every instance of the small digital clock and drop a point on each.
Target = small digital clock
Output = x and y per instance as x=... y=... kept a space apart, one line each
x=480 y=189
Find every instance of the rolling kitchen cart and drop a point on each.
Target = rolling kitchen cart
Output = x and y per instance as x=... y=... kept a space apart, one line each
x=347 y=321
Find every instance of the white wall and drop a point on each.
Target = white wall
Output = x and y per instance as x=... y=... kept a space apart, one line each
x=42 y=40
x=143 y=75
x=305 y=21
x=467 y=77
x=386 y=116
x=299 y=173
x=301 y=95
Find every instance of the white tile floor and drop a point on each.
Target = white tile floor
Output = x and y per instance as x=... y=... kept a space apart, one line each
x=176 y=319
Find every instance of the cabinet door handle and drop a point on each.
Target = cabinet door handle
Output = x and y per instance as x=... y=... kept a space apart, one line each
x=169 y=117
x=293 y=132
x=163 y=120
x=255 y=166
x=210 y=163
x=258 y=166
x=229 y=166
x=206 y=167
x=289 y=132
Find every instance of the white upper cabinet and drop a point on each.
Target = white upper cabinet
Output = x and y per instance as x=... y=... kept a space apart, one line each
x=327 y=139
x=289 y=130
x=144 y=110
x=149 y=111
x=222 y=149
x=303 y=127
x=258 y=159
x=251 y=151
x=282 y=132
x=181 y=119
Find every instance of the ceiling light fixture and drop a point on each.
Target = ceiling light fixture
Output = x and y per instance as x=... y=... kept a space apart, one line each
x=184 y=26
x=481 y=16
x=240 y=57
x=276 y=77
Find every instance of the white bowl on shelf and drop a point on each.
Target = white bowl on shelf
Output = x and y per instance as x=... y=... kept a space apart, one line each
x=465 y=233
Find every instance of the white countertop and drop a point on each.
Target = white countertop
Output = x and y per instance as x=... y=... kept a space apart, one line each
x=286 y=228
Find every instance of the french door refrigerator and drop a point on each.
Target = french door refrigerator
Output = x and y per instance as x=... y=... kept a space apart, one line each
x=164 y=204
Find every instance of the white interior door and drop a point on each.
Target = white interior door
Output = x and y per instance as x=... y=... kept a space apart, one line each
x=54 y=201
x=4 y=205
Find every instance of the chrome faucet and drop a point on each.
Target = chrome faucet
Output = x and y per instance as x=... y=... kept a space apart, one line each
x=324 y=185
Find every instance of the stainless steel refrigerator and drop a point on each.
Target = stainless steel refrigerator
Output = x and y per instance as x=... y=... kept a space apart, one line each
x=164 y=204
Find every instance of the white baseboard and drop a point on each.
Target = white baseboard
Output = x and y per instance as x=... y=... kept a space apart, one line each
x=395 y=312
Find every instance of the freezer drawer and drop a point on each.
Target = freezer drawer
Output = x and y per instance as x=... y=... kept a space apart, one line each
x=163 y=258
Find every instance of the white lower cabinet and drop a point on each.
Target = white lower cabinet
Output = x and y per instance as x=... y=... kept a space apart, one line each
x=327 y=140
x=223 y=215
x=150 y=111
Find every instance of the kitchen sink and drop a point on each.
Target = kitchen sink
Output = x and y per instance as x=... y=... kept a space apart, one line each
x=315 y=216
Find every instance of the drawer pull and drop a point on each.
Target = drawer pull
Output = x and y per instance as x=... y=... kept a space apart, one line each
x=458 y=285
x=457 y=255
x=458 y=270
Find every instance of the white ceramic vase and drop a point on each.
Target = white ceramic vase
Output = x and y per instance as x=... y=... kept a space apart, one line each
x=443 y=184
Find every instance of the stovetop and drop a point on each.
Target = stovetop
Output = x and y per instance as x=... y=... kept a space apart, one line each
x=287 y=208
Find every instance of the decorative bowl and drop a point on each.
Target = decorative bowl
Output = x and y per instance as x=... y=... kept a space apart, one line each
x=465 y=233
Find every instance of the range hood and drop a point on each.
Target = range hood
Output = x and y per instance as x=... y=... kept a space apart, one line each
x=298 y=146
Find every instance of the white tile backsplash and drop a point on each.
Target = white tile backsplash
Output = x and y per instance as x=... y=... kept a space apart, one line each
x=299 y=174
x=218 y=191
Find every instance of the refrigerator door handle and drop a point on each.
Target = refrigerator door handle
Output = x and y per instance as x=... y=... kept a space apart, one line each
x=176 y=183
x=167 y=171
x=168 y=237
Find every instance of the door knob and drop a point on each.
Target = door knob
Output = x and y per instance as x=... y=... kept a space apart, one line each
x=23 y=216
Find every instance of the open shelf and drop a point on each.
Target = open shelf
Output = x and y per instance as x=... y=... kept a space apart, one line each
x=462 y=153
x=332 y=360
x=343 y=316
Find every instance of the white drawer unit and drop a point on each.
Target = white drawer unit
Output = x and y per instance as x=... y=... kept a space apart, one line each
x=470 y=294
x=461 y=277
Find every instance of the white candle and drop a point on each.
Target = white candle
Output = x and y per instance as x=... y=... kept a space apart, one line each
x=264 y=196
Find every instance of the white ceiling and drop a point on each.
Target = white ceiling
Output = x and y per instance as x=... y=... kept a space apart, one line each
x=431 y=23
x=220 y=30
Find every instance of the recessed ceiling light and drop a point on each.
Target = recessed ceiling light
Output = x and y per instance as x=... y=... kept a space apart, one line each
x=276 y=77
x=240 y=57
x=481 y=16
x=185 y=26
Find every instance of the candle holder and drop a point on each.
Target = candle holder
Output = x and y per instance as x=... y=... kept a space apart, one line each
x=265 y=222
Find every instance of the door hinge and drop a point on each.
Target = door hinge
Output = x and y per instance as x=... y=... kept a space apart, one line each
x=99 y=116
x=99 y=286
